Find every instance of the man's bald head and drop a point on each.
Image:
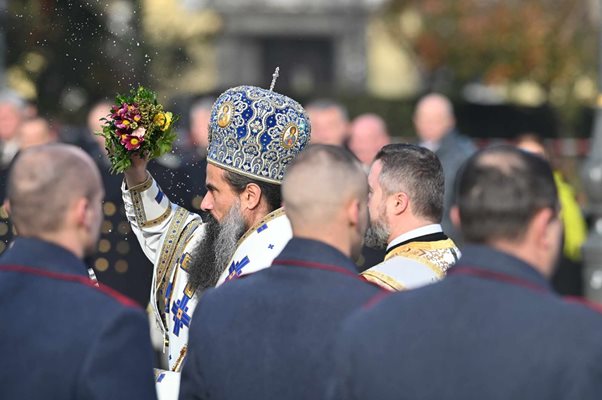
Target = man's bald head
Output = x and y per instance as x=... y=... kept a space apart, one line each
x=319 y=183
x=45 y=181
x=368 y=135
x=434 y=117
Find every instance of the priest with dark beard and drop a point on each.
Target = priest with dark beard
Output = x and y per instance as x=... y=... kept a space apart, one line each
x=253 y=135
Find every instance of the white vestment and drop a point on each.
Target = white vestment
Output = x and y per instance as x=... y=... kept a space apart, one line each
x=168 y=235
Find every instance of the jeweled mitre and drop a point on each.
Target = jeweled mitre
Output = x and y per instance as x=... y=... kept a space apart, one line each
x=256 y=132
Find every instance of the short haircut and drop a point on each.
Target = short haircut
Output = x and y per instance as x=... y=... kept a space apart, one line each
x=269 y=191
x=319 y=181
x=499 y=191
x=417 y=172
x=42 y=183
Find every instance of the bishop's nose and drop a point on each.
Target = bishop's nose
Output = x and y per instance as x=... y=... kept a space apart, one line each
x=207 y=203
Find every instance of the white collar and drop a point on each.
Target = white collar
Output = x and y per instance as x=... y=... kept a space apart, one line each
x=414 y=233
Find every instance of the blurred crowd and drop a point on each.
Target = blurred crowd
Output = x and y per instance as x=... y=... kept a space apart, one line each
x=119 y=261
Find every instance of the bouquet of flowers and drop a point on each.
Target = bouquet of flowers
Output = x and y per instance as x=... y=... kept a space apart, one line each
x=137 y=125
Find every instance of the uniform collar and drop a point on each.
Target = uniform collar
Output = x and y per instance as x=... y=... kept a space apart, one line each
x=414 y=233
x=481 y=257
x=44 y=255
x=313 y=251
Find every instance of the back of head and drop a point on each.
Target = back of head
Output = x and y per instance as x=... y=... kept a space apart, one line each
x=499 y=191
x=319 y=183
x=417 y=172
x=44 y=181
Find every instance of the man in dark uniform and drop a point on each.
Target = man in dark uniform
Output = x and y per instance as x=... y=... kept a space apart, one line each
x=493 y=328
x=63 y=336
x=271 y=335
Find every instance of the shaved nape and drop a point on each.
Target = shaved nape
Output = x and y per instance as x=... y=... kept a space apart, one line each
x=44 y=181
x=319 y=181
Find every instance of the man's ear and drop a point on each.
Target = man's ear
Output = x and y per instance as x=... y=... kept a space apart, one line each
x=353 y=212
x=250 y=197
x=79 y=212
x=398 y=202
x=542 y=229
x=454 y=216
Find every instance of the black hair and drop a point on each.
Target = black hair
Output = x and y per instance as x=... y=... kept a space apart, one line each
x=416 y=171
x=499 y=190
x=270 y=191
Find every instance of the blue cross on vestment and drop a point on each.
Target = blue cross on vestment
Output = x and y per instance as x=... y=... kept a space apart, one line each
x=167 y=295
x=236 y=267
x=180 y=318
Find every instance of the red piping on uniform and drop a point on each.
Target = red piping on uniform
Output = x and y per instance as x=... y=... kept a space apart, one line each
x=496 y=276
x=71 y=278
x=580 y=300
x=376 y=299
x=325 y=267
x=310 y=264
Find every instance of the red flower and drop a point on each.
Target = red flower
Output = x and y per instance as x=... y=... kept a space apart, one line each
x=131 y=142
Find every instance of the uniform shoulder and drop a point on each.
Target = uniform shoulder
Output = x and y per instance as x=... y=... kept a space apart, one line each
x=101 y=303
x=115 y=296
x=97 y=292
x=80 y=283
x=584 y=307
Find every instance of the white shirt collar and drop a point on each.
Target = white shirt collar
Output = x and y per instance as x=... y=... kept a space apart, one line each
x=423 y=230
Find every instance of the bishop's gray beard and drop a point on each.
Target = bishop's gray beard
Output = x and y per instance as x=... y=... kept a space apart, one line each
x=377 y=235
x=211 y=256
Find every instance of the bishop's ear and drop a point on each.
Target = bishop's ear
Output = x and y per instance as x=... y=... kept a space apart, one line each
x=250 y=197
